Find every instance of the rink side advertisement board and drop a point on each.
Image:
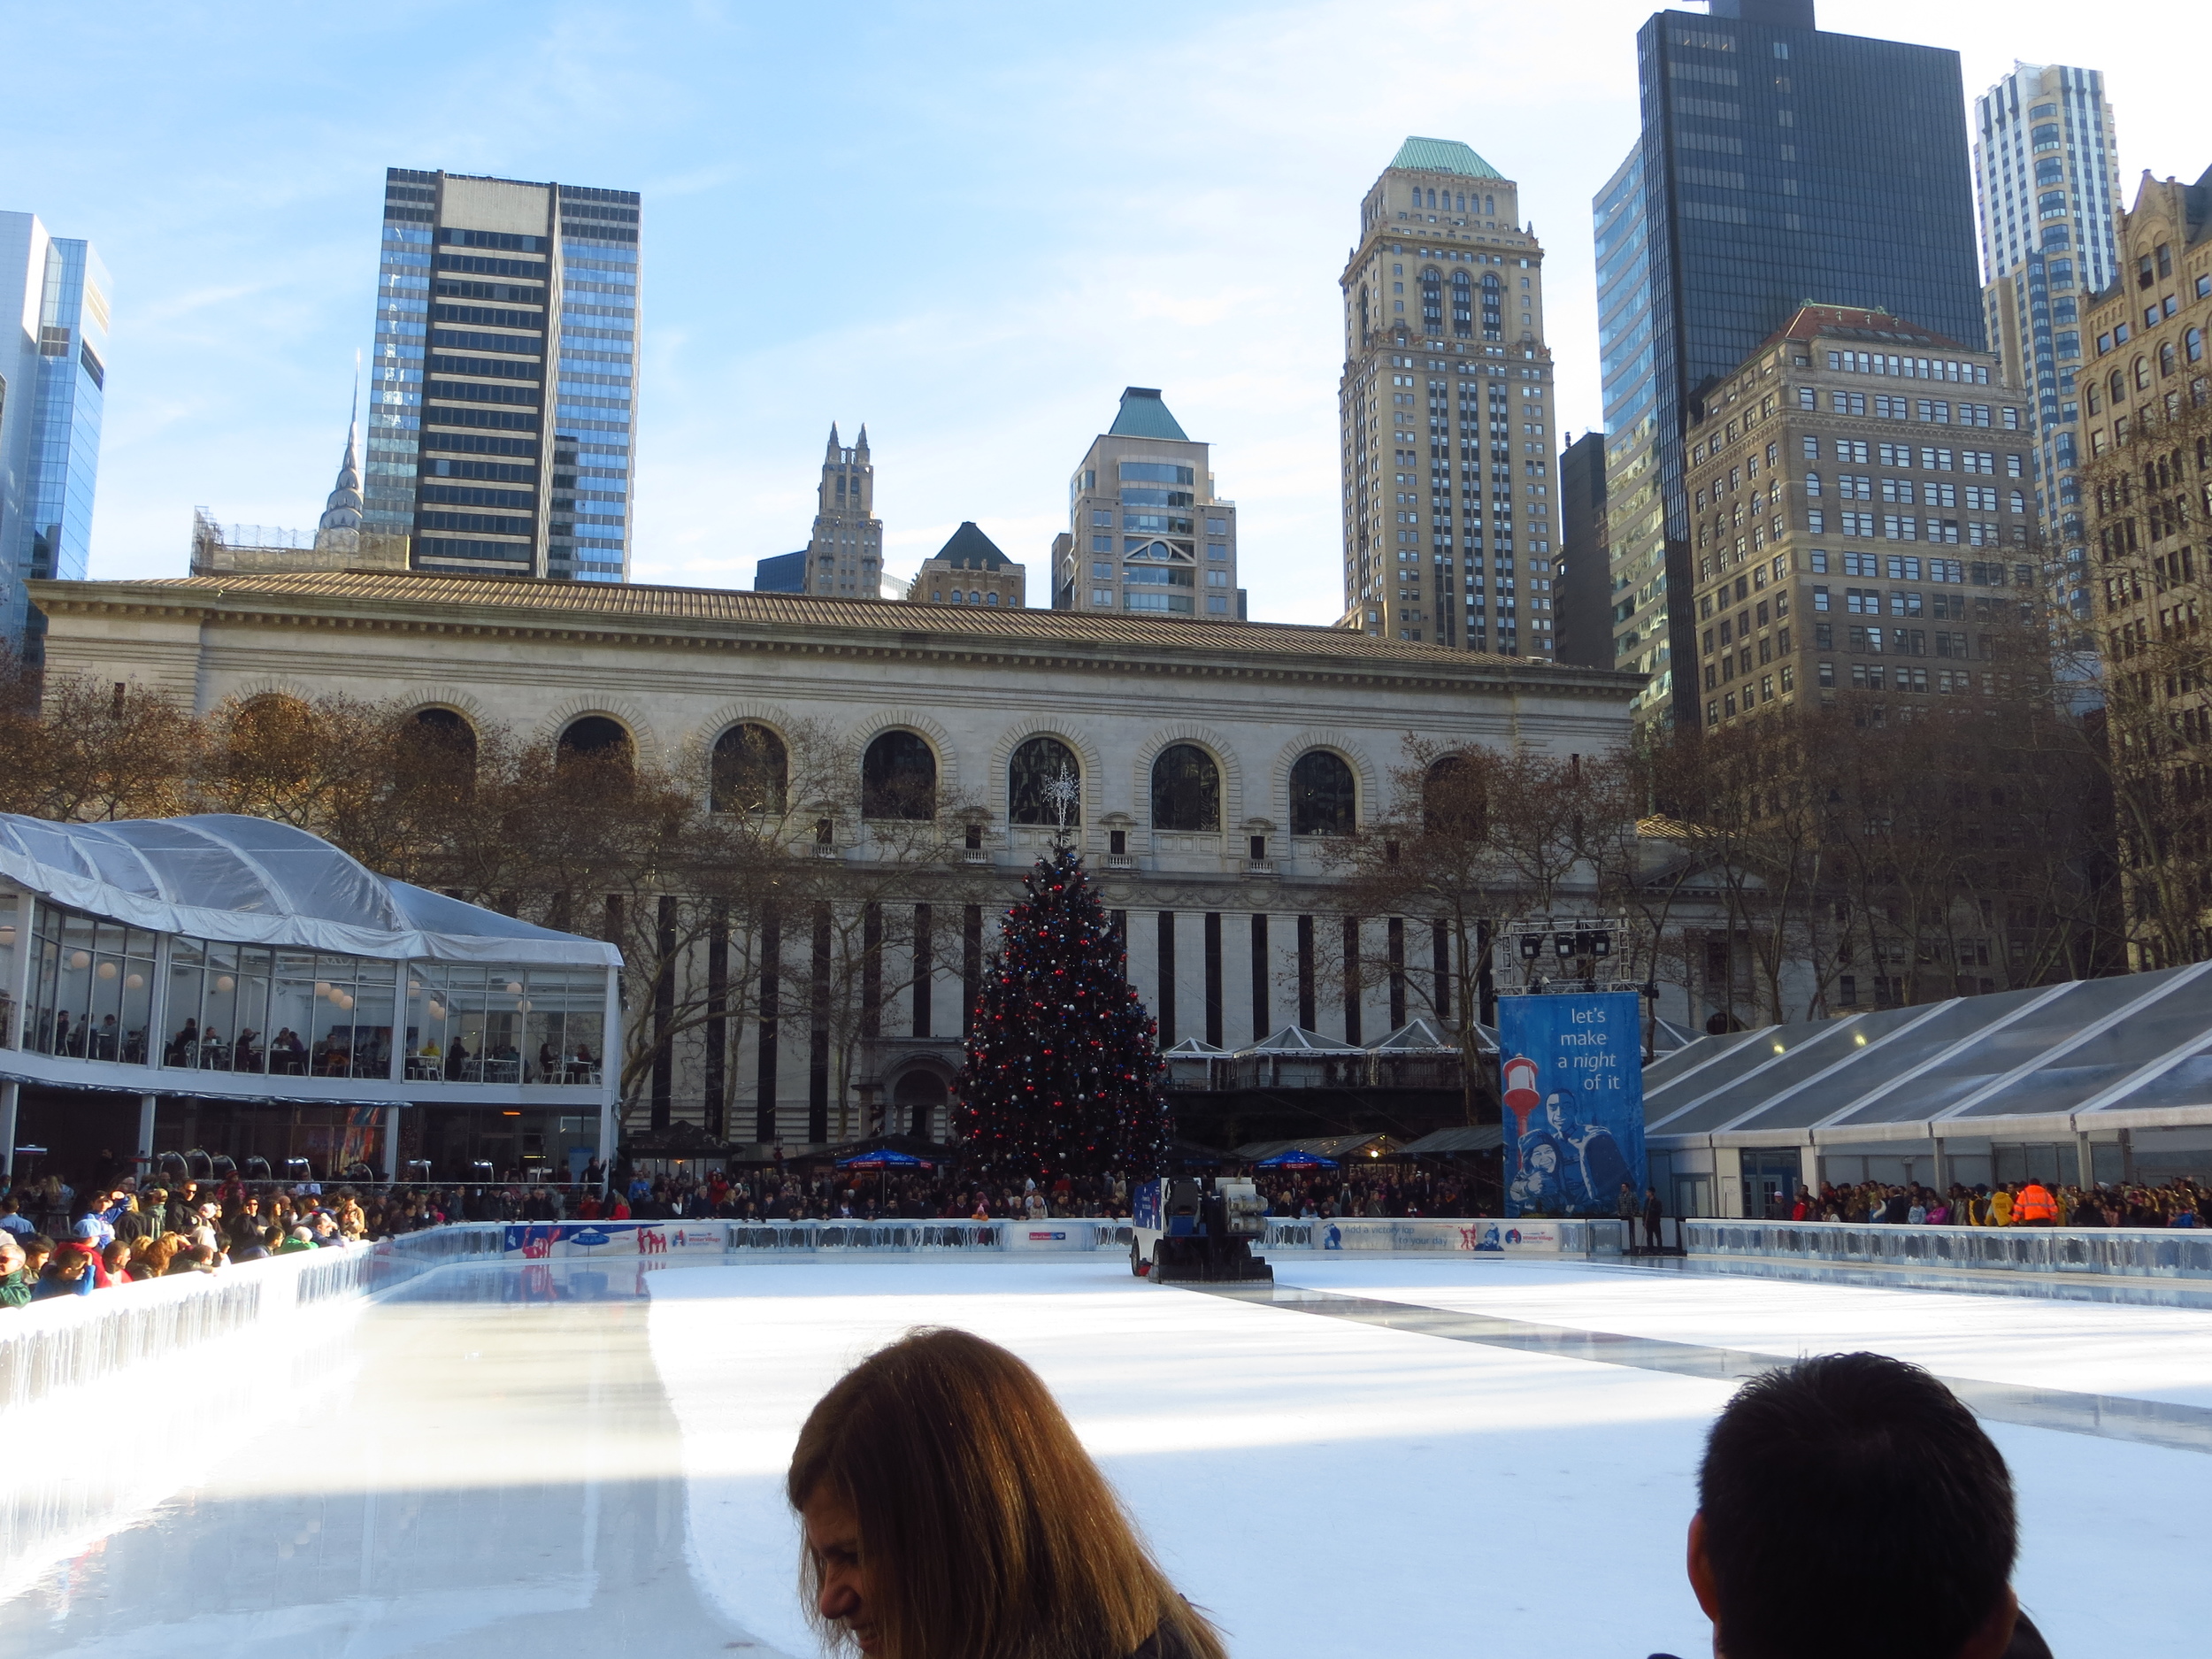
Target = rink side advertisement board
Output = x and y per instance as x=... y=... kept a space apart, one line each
x=1570 y=1064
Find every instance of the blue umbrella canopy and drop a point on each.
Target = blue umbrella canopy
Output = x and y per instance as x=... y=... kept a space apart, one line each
x=885 y=1158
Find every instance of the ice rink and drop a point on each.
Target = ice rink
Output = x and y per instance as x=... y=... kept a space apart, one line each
x=534 y=1460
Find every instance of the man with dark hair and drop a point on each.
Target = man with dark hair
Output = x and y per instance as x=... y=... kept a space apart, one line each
x=1854 y=1482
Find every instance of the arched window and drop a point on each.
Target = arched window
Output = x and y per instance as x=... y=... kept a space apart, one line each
x=2193 y=345
x=1036 y=765
x=1462 y=203
x=1493 y=307
x=1490 y=204
x=1462 y=305
x=898 y=778
x=2096 y=404
x=956 y=598
x=2166 y=362
x=1186 y=790
x=1432 y=300
x=440 y=744
x=2119 y=388
x=751 y=770
x=1321 y=795
x=597 y=738
x=1452 y=799
x=990 y=599
x=2142 y=374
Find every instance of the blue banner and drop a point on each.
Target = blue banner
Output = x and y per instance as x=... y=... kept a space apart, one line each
x=1571 y=1068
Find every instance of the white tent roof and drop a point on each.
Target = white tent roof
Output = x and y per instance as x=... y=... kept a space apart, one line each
x=249 y=880
x=1298 y=1039
x=1190 y=1046
x=1415 y=1036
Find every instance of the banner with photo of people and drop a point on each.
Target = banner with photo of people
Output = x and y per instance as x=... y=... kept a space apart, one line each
x=1571 y=1068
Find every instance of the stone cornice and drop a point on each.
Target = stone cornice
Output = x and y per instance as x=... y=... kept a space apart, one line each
x=241 y=605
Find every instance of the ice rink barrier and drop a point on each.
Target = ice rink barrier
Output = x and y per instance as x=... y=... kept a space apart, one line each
x=714 y=1240
x=67 y=1343
x=2170 y=1253
x=1534 y=1235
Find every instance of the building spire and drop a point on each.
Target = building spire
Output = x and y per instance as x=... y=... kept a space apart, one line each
x=339 y=528
x=836 y=451
x=861 y=448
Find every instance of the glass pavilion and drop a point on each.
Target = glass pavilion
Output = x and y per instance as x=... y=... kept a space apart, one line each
x=2089 y=1081
x=242 y=987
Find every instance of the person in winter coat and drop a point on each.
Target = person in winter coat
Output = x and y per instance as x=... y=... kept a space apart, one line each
x=2000 y=1209
x=2035 y=1207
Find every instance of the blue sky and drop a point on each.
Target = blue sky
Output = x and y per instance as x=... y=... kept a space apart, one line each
x=969 y=226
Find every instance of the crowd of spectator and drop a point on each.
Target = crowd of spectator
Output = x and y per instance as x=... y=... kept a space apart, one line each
x=56 y=1239
x=2180 y=1202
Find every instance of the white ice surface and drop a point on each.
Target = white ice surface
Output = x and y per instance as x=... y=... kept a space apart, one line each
x=2086 y=1347
x=1329 y=1488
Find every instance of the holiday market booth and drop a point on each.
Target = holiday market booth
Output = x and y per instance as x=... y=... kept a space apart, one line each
x=242 y=987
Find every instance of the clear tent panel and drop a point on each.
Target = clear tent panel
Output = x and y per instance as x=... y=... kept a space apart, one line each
x=1983 y=1059
x=2179 y=1017
x=1730 y=1057
x=1796 y=1053
x=2187 y=1084
x=1909 y=1043
x=1667 y=1068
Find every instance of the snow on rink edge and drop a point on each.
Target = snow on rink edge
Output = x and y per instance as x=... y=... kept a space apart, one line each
x=1328 y=1488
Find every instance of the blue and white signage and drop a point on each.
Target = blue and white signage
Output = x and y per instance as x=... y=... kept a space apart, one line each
x=1571 y=1067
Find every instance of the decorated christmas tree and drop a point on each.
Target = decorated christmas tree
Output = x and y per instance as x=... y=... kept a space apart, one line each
x=1063 y=1071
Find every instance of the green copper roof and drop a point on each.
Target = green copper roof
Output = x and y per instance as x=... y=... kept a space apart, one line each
x=1144 y=416
x=1443 y=155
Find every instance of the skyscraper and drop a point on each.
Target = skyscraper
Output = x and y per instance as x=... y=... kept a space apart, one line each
x=2049 y=177
x=502 y=398
x=844 y=556
x=1581 y=619
x=1450 y=538
x=1146 y=530
x=1778 y=163
x=53 y=377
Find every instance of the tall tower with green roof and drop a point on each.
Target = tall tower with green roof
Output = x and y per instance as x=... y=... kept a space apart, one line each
x=1450 y=512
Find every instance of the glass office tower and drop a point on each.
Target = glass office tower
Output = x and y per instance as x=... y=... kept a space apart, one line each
x=1778 y=164
x=2046 y=161
x=503 y=396
x=53 y=380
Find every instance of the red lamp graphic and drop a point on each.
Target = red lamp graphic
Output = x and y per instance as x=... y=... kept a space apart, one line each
x=1521 y=1094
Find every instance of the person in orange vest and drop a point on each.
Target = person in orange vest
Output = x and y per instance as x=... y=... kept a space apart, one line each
x=2035 y=1207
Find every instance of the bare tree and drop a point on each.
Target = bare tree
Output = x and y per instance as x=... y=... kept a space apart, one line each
x=1470 y=838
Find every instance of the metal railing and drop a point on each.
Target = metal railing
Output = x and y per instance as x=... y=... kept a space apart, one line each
x=2126 y=1252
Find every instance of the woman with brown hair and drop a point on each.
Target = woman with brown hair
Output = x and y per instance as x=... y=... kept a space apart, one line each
x=950 y=1513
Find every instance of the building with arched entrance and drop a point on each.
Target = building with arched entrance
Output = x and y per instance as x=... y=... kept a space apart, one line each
x=915 y=753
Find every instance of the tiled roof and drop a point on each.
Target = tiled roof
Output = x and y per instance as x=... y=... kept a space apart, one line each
x=635 y=606
x=1143 y=415
x=1443 y=155
x=971 y=550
